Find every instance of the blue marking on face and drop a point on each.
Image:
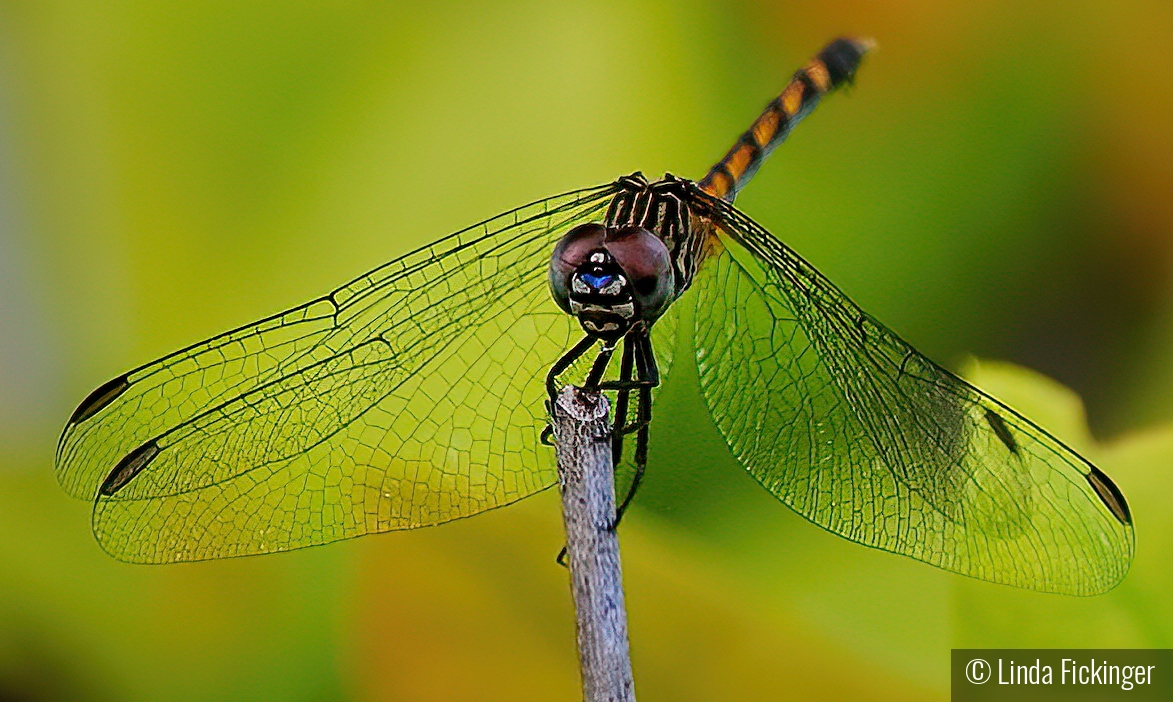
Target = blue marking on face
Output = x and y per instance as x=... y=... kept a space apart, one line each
x=598 y=282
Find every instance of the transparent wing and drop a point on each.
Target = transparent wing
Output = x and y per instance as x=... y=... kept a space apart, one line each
x=409 y=397
x=858 y=432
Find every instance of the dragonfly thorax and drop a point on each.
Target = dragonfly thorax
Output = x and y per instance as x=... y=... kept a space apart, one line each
x=611 y=278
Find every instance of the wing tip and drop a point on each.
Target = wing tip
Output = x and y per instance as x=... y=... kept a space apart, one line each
x=1110 y=495
x=93 y=403
x=99 y=399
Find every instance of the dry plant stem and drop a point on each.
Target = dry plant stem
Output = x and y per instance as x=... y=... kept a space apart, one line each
x=583 y=437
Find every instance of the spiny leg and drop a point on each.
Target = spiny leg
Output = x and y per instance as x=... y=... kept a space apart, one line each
x=641 y=452
x=565 y=362
x=649 y=375
x=649 y=356
x=556 y=370
x=595 y=377
x=592 y=380
x=622 y=397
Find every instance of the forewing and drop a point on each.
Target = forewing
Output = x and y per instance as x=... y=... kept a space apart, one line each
x=411 y=396
x=861 y=434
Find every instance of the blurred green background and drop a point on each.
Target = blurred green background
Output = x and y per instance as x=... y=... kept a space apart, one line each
x=998 y=184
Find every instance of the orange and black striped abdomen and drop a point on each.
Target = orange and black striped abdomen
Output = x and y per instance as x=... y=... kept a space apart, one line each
x=834 y=66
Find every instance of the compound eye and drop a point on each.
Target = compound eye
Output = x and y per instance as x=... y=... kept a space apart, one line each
x=577 y=245
x=647 y=285
x=645 y=259
x=572 y=251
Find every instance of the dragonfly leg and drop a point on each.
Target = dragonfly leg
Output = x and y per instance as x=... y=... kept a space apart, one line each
x=641 y=452
x=547 y=437
x=653 y=380
x=650 y=376
x=632 y=428
x=621 y=401
x=646 y=370
x=652 y=369
x=562 y=364
x=599 y=368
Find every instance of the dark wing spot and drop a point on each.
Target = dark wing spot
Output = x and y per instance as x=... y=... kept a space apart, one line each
x=1110 y=495
x=1001 y=430
x=99 y=398
x=131 y=465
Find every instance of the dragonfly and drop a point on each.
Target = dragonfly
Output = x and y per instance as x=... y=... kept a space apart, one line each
x=418 y=393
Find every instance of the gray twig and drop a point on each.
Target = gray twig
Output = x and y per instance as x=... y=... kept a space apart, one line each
x=583 y=436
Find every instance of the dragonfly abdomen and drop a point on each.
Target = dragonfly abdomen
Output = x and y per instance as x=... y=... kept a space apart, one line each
x=834 y=66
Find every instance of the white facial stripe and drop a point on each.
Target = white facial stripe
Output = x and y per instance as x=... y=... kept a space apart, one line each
x=606 y=327
x=590 y=307
x=615 y=286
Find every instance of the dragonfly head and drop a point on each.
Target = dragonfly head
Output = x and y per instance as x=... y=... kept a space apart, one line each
x=611 y=278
